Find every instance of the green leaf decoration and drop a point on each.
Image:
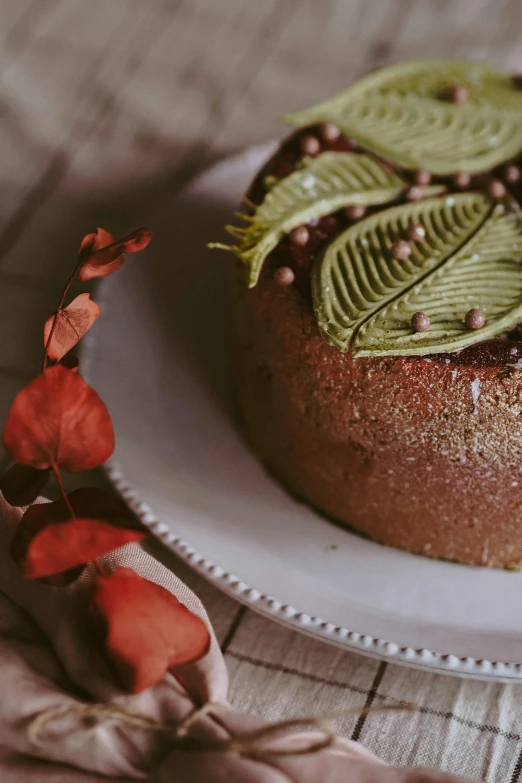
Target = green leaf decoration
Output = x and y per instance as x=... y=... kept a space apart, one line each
x=401 y=114
x=471 y=256
x=323 y=185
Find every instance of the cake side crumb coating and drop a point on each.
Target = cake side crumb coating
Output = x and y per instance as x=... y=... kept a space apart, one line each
x=418 y=453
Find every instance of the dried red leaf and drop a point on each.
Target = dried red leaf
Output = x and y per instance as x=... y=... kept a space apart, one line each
x=146 y=630
x=62 y=546
x=88 y=502
x=91 y=242
x=71 y=324
x=21 y=485
x=57 y=418
x=101 y=261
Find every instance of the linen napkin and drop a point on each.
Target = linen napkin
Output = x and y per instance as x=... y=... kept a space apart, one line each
x=64 y=720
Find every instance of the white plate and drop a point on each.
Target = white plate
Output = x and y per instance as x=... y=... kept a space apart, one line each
x=162 y=366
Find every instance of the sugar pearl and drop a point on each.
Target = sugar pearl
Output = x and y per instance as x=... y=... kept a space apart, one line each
x=284 y=276
x=422 y=177
x=416 y=232
x=400 y=250
x=355 y=211
x=414 y=193
x=462 y=179
x=496 y=189
x=457 y=94
x=329 y=132
x=420 y=322
x=309 y=145
x=300 y=236
x=512 y=174
x=475 y=319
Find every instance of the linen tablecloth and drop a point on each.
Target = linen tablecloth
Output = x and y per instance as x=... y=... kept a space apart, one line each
x=106 y=107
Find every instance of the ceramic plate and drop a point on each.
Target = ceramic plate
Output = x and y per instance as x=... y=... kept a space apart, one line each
x=162 y=364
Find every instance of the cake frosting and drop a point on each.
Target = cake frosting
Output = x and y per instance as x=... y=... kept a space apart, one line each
x=379 y=352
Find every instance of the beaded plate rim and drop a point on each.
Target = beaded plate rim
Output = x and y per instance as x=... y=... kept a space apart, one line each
x=267 y=605
x=271 y=607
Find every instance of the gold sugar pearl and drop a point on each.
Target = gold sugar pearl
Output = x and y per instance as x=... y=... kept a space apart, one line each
x=462 y=179
x=355 y=211
x=457 y=94
x=309 y=145
x=512 y=174
x=475 y=319
x=422 y=177
x=496 y=189
x=329 y=132
x=416 y=232
x=401 y=250
x=299 y=236
x=284 y=276
x=415 y=193
x=420 y=322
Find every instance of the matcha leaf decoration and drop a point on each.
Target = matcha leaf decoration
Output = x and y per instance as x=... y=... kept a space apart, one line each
x=471 y=256
x=323 y=185
x=402 y=114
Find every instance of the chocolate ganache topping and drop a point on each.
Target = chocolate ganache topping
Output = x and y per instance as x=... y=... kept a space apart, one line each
x=404 y=194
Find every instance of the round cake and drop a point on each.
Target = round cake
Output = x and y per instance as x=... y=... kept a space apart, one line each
x=377 y=311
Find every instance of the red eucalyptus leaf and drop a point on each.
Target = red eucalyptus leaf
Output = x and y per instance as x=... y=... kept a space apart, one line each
x=132 y=243
x=64 y=545
x=57 y=418
x=146 y=630
x=21 y=485
x=88 y=502
x=101 y=261
x=90 y=271
x=91 y=242
x=71 y=324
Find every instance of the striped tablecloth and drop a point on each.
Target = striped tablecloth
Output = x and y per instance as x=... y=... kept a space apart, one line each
x=106 y=106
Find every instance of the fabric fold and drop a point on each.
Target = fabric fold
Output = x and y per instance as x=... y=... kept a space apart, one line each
x=63 y=719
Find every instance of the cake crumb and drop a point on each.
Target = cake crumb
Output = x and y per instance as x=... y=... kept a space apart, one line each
x=475 y=394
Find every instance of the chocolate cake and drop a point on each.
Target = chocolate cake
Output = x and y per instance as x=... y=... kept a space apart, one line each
x=378 y=338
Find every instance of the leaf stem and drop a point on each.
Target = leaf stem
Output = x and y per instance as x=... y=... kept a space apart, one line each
x=57 y=313
x=63 y=493
x=99 y=568
x=56 y=470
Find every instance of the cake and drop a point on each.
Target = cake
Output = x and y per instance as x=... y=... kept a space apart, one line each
x=377 y=310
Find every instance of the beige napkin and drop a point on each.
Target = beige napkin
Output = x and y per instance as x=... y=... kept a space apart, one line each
x=46 y=664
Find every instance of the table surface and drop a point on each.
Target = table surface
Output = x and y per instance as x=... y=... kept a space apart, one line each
x=106 y=107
